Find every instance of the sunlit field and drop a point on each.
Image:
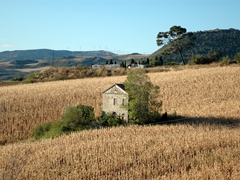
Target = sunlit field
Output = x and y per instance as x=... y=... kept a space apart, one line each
x=205 y=147
x=134 y=152
x=205 y=92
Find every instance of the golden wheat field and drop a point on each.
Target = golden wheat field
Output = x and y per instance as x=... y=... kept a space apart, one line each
x=209 y=150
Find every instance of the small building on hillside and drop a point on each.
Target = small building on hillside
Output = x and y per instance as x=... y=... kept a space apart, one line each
x=136 y=65
x=108 y=66
x=114 y=99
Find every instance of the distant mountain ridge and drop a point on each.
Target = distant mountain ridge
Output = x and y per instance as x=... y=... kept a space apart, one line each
x=226 y=41
x=45 y=54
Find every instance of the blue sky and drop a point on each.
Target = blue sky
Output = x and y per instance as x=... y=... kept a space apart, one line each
x=119 y=26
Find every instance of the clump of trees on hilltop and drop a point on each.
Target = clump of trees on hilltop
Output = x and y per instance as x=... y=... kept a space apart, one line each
x=198 y=47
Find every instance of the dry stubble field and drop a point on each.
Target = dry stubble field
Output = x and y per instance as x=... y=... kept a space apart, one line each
x=184 y=151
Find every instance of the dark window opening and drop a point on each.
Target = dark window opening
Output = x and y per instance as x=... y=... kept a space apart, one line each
x=114 y=114
x=123 y=101
x=114 y=101
x=123 y=116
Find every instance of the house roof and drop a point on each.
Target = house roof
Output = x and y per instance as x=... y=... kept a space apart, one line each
x=119 y=86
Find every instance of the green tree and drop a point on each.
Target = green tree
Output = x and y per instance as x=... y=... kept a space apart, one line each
x=160 y=61
x=226 y=60
x=177 y=40
x=147 y=61
x=132 y=61
x=217 y=55
x=157 y=62
x=143 y=106
x=237 y=57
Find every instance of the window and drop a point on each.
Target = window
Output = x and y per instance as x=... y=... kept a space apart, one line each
x=123 y=102
x=123 y=116
x=114 y=101
x=114 y=114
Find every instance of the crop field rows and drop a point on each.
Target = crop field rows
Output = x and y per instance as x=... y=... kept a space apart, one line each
x=201 y=92
x=206 y=92
x=205 y=146
x=135 y=152
x=23 y=107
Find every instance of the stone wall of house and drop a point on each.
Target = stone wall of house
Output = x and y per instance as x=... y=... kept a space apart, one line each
x=112 y=103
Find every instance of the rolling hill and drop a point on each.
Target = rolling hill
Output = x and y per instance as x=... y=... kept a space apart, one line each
x=226 y=42
x=44 y=54
x=23 y=65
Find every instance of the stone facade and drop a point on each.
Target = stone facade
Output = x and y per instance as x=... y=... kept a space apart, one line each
x=113 y=100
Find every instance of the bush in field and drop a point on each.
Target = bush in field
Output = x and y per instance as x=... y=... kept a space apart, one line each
x=48 y=130
x=237 y=57
x=18 y=78
x=39 y=131
x=75 y=118
x=119 y=72
x=206 y=59
x=110 y=120
x=203 y=59
x=102 y=72
x=226 y=60
x=31 y=78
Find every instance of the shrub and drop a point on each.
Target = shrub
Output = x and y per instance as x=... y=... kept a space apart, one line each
x=18 y=78
x=109 y=120
x=77 y=118
x=74 y=119
x=226 y=60
x=31 y=78
x=204 y=60
x=119 y=72
x=102 y=72
x=237 y=57
x=83 y=68
x=39 y=131
x=55 y=130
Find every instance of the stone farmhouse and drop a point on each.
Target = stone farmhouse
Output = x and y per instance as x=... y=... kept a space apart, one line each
x=113 y=100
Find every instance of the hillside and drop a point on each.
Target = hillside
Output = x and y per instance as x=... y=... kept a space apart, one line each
x=225 y=41
x=47 y=54
x=14 y=68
